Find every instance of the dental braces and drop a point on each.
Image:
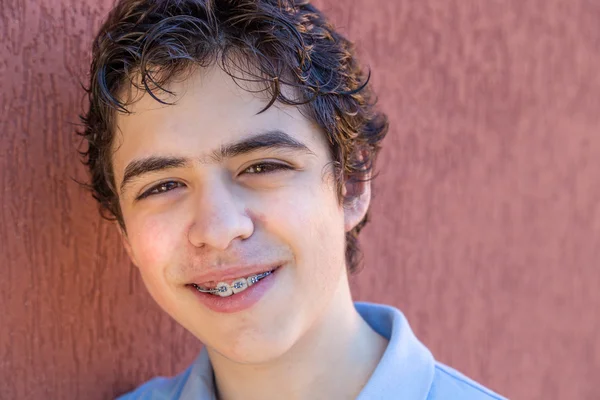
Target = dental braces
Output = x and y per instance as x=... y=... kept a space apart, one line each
x=224 y=289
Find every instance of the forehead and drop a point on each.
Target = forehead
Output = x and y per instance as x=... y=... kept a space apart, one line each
x=208 y=109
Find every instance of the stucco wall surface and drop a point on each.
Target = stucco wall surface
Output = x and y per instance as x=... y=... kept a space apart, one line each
x=486 y=216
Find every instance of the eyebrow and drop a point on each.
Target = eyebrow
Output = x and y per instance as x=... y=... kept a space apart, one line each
x=273 y=139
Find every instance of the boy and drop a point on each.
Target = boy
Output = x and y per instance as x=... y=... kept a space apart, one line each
x=234 y=142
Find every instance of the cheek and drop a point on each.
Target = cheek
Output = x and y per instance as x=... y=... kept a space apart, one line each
x=154 y=240
x=310 y=221
x=154 y=243
x=327 y=243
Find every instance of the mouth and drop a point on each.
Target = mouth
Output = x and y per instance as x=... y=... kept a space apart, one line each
x=232 y=287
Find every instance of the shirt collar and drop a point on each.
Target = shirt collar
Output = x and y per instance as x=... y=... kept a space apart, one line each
x=407 y=367
x=405 y=371
x=200 y=383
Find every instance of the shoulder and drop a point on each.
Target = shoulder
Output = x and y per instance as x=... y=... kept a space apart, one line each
x=196 y=382
x=407 y=369
x=157 y=389
x=448 y=383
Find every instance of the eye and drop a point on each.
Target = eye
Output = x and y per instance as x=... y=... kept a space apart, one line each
x=160 y=188
x=265 y=168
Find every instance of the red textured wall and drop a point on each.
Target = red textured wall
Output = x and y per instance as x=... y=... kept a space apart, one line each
x=486 y=226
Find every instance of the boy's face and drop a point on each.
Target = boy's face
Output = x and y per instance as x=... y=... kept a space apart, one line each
x=207 y=212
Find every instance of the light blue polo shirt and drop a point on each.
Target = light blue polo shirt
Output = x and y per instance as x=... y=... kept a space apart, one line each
x=406 y=371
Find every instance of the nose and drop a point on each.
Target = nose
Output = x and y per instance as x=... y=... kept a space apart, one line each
x=219 y=217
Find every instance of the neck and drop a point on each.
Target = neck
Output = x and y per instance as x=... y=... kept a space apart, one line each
x=333 y=360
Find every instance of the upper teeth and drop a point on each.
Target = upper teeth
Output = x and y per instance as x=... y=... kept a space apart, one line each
x=224 y=289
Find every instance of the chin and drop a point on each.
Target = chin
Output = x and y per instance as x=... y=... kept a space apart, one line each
x=255 y=348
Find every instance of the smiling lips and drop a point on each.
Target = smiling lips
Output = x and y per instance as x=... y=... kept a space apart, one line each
x=225 y=289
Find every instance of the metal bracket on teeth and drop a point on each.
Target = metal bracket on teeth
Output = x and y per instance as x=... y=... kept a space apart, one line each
x=224 y=289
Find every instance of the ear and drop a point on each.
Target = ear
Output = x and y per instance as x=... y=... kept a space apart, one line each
x=126 y=243
x=357 y=198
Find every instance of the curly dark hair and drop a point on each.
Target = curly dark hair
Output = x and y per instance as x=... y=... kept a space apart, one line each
x=146 y=43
